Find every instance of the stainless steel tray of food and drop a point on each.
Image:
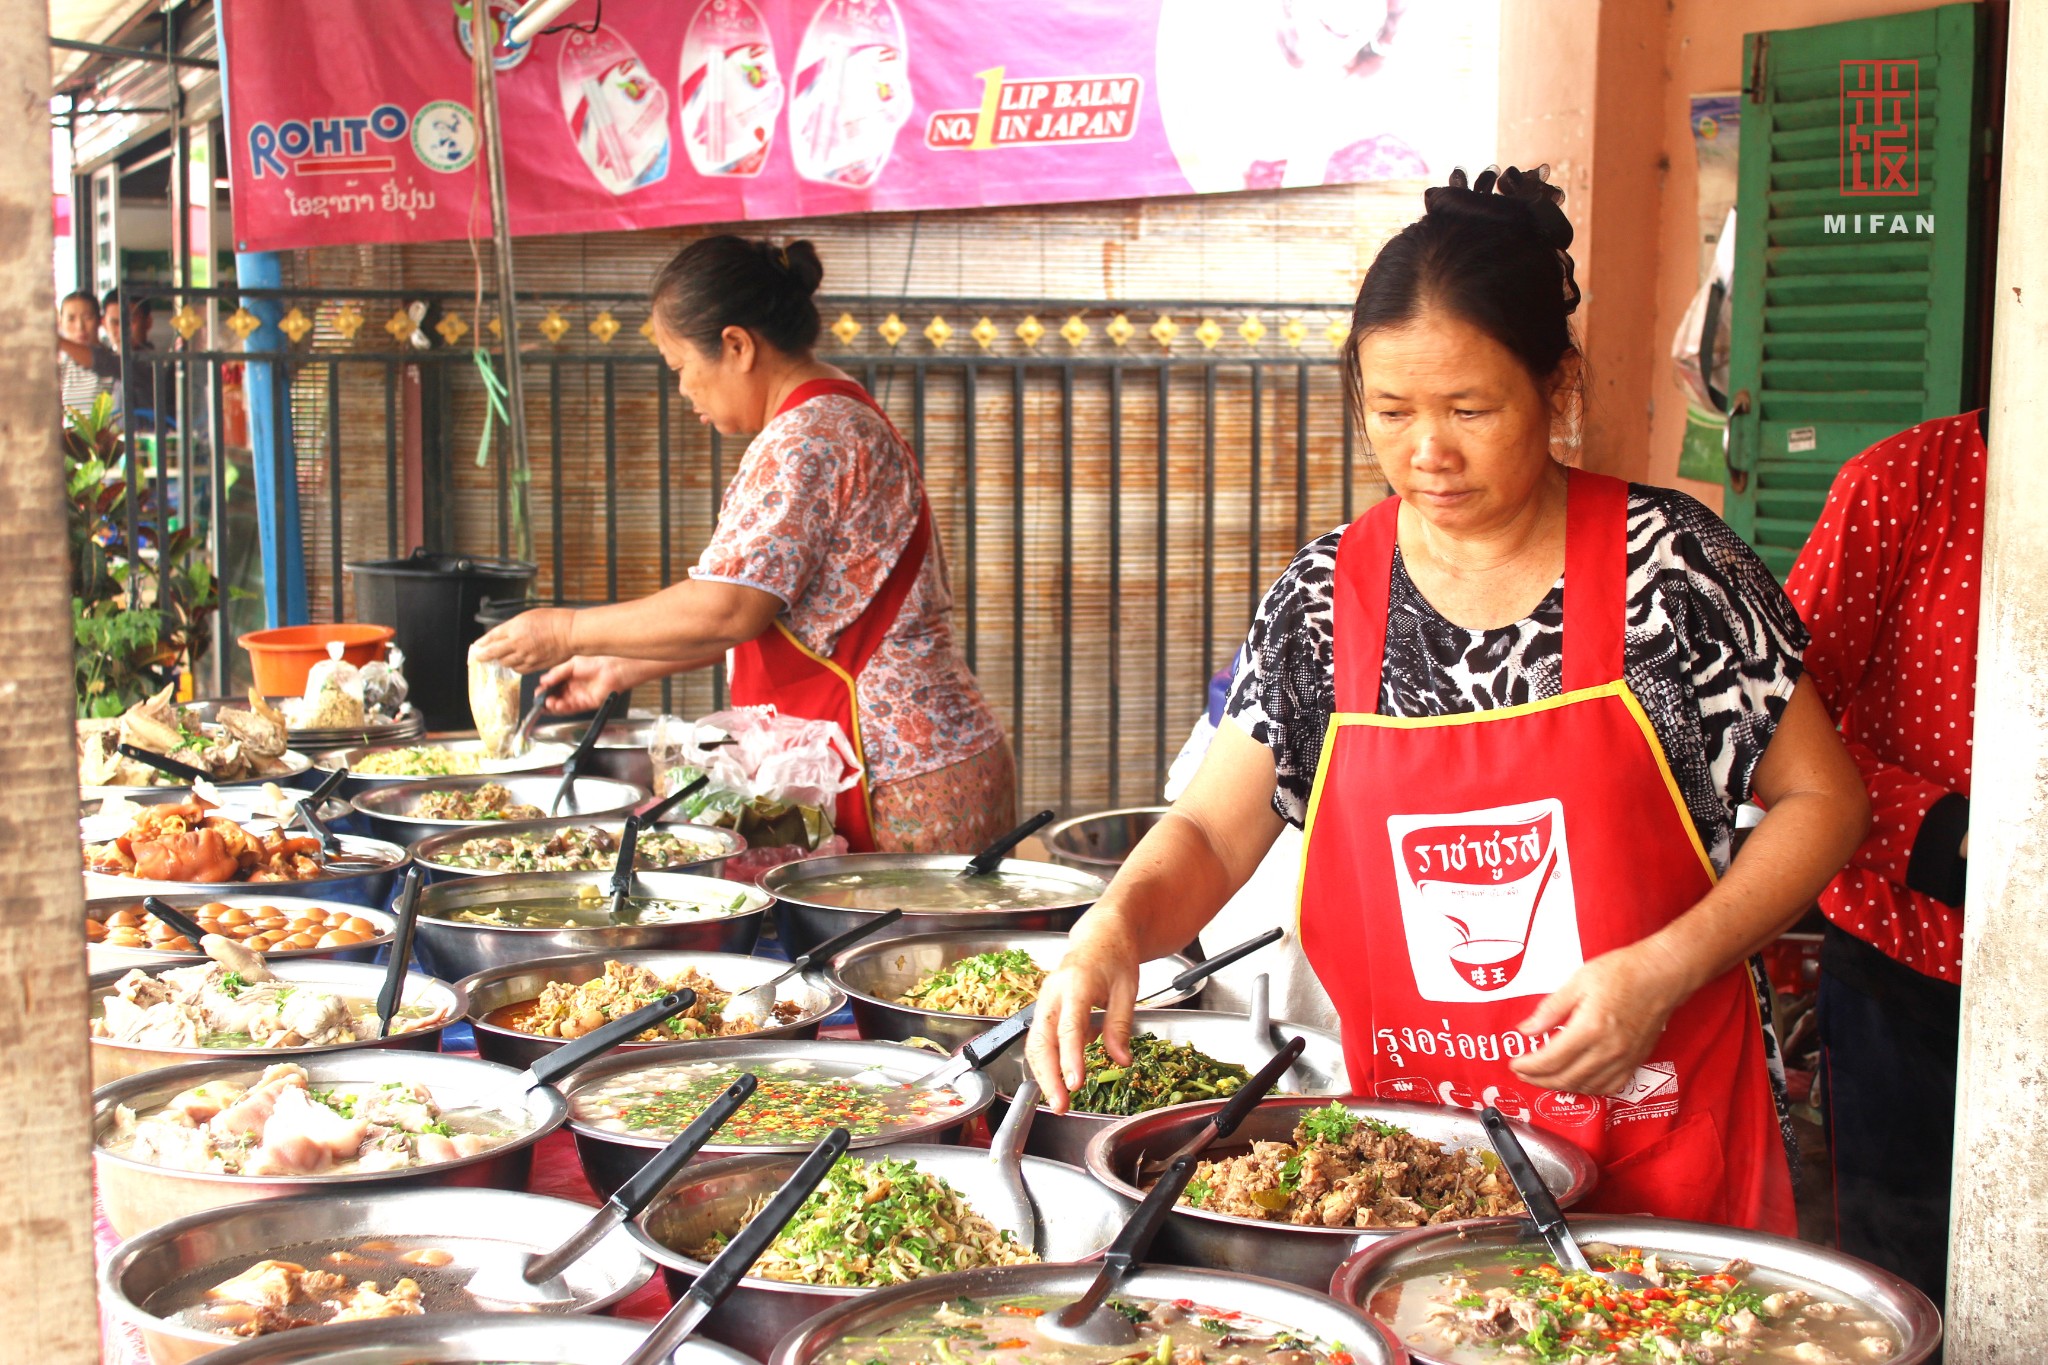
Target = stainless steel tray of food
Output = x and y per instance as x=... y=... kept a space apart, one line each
x=470 y=1339
x=391 y=811
x=120 y=932
x=361 y=873
x=139 y=1193
x=494 y=994
x=876 y=974
x=1845 y=1301
x=817 y=898
x=1309 y=1254
x=475 y=924
x=441 y=855
x=408 y=724
x=436 y=758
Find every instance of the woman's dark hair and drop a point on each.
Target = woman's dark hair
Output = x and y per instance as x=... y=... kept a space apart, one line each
x=1491 y=253
x=728 y=281
x=85 y=297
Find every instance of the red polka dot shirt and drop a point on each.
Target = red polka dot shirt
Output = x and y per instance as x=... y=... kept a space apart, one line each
x=1888 y=585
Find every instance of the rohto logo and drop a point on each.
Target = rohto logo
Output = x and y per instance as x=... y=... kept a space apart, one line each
x=1880 y=142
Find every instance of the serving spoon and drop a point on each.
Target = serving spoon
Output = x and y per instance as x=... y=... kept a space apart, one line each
x=1543 y=1210
x=1263 y=1032
x=622 y=867
x=177 y=921
x=990 y=858
x=759 y=1001
x=405 y=916
x=574 y=763
x=169 y=767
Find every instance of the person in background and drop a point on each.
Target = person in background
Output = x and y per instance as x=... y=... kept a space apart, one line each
x=138 y=388
x=1888 y=585
x=85 y=367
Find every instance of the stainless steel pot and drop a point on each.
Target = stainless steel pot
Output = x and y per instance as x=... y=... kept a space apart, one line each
x=112 y=1060
x=1306 y=1256
x=536 y=759
x=432 y=852
x=139 y=1194
x=365 y=878
x=610 y=1158
x=1080 y=1218
x=102 y=957
x=387 y=809
x=1099 y=842
x=469 y=1339
x=874 y=974
x=234 y=1237
x=1371 y=1278
x=502 y=986
x=622 y=750
x=457 y=948
x=1301 y=1311
x=802 y=922
x=1226 y=1037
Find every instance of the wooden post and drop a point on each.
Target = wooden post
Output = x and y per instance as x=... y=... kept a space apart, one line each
x=1999 y=1229
x=46 y=1251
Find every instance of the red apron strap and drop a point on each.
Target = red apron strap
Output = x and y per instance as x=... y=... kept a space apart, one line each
x=1365 y=562
x=1595 y=580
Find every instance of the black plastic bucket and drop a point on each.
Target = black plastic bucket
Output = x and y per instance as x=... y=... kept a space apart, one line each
x=431 y=599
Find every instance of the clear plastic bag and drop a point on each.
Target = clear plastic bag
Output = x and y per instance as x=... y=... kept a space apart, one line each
x=776 y=782
x=494 y=705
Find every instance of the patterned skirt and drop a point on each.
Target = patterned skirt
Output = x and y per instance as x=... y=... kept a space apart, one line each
x=960 y=808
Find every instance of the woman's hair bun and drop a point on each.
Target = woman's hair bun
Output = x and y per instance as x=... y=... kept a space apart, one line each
x=1524 y=198
x=800 y=259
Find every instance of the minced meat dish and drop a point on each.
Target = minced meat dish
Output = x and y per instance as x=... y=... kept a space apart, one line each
x=1343 y=1171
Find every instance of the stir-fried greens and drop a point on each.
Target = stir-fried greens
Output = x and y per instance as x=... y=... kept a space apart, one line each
x=1344 y=1170
x=993 y=985
x=1160 y=1073
x=874 y=1223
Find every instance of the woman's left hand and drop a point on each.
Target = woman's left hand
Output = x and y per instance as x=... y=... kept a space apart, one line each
x=1613 y=1010
x=531 y=641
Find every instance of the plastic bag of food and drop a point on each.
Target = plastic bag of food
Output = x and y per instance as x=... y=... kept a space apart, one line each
x=493 y=704
x=382 y=682
x=334 y=696
x=776 y=781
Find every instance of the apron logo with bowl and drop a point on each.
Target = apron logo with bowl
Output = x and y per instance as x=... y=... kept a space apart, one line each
x=1487 y=901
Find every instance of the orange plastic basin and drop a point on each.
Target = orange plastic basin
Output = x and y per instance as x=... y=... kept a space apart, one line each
x=281 y=657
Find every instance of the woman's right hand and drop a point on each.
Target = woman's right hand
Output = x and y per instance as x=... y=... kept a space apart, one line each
x=1100 y=970
x=583 y=682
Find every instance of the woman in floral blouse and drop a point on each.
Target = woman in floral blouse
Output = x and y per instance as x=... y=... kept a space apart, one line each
x=824 y=578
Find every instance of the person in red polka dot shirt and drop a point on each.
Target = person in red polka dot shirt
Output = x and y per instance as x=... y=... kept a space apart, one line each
x=1888 y=585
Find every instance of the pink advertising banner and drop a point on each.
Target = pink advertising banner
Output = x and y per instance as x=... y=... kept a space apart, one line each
x=351 y=121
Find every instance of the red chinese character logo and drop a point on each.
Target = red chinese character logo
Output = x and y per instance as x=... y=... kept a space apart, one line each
x=1880 y=128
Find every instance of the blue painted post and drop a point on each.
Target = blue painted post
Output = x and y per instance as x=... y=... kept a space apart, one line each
x=270 y=438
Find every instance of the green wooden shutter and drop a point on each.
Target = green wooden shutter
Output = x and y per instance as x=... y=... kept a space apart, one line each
x=1840 y=338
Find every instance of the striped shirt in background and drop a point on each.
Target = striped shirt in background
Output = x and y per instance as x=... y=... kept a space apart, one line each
x=79 y=385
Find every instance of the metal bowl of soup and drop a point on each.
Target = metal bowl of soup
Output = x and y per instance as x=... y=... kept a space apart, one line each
x=1100 y=841
x=624 y=1107
x=1079 y=1217
x=121 y=933
x=438 y=758
x=470 y=1339
x=876 y=975
x=471 y=852
x=391 y=811
x=1304 y=1255
x=852 y=1333
x=157 y=1280
x=816 y=898
x=499 y=998
x=1396 y=1278
x=469 y=925
x=426 y=1006
x=1225 y=1037
x=484 y=1098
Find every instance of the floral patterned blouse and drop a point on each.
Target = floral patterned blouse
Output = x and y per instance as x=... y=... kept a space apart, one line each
x=821 y=509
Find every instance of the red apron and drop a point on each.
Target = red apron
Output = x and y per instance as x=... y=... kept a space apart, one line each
x=778 y=669
x=1459 y=868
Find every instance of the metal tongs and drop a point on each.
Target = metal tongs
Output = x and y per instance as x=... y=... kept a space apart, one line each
x=574 y=763
x=332 y=852
x=522 y=738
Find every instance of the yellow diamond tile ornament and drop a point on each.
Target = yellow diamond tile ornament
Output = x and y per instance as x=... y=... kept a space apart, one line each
x=1209 y=333
x=399 y=324
x=294 y=324
x=1337 y=331
x=554 y=327
x=495 y=327
x=451 y=327
x=1252 y=330
x=348 y=321
x=1075 y=331
x=938 y=332
x=892 y=329
x=846 y=329
x=1164 y=331
x=1119 y=329
x=985 y=333
x=242 y=322
x=1294 y=331
x=187 y=320
x=647 y=330
x=604 y=327
x=1031 y=331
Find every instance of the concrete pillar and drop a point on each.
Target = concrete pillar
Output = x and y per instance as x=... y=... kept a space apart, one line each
x=1999 y=1236
x=46 y=1262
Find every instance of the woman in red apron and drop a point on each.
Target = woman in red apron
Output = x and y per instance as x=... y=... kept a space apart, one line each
x=823 y=582
x=1514 y=708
